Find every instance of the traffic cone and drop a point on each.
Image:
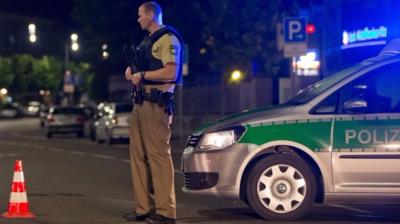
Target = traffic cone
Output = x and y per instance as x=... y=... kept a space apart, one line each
x=18 y=206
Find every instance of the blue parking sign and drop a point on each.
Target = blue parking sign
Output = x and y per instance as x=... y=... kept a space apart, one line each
x=294 y=30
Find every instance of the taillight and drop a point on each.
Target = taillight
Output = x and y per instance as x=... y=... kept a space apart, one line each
x=114 y=120
x=50 y=119
x=80 y=119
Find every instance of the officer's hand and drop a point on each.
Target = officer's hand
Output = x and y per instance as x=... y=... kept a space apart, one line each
x=128 y=73
x=136 y=78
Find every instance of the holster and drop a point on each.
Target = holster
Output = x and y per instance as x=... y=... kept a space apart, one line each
x=162 y=99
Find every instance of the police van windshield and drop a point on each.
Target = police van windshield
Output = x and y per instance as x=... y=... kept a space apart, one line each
x=314 y=90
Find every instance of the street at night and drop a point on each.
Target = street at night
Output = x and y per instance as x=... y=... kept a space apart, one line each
x=207 y=111
x=72 y=180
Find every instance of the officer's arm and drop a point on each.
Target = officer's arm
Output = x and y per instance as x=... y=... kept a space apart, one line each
x=166 y=74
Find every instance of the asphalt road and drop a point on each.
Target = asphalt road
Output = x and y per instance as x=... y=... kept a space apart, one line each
x=71 y=180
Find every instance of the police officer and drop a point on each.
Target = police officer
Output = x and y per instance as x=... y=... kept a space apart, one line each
x=160 y=69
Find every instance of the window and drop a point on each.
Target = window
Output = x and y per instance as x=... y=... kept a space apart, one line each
x=321 y=86
x=328 y=105
x=378 y=90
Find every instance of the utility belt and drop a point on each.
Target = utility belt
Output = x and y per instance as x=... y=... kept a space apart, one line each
x=162 y=99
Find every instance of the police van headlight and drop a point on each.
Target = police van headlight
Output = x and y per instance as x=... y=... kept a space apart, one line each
x=221 y=139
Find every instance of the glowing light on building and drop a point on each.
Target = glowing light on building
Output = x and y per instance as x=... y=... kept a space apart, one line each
x=364 y=37
x=307 y=65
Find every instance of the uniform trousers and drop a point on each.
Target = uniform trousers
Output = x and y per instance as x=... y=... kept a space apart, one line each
x=151 y=162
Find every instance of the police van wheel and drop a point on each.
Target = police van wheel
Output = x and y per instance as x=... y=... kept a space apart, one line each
x=281 y=187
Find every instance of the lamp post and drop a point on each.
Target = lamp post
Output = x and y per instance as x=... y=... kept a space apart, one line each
x=74 y=47
x=68 y=81
x=3 y=95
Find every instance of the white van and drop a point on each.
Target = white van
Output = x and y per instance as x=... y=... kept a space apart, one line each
x=337 y=141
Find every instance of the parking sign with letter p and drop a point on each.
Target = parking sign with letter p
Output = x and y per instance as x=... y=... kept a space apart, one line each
x=295 y=30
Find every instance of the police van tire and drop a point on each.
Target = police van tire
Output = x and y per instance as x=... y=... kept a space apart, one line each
x=281 y=187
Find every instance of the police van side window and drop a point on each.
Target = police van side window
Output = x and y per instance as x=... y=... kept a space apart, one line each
x=328 y=105
x=375 y=92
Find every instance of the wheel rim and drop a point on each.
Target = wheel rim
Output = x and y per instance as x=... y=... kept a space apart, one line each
x=281 y=188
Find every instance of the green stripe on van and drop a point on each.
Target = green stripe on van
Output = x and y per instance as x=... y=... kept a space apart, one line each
x=313 y=133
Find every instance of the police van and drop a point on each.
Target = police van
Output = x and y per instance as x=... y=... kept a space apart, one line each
x=337 y=141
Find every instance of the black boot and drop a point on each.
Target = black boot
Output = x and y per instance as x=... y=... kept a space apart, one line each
x=160 y=219
x=134 y=216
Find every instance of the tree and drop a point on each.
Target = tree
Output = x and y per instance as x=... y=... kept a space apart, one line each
x=84 y=75
x=241 y=33
x=25 y=75
x=6 y=76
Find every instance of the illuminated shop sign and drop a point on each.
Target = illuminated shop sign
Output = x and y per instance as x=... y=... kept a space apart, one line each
x=307 y=65
x=364 y=37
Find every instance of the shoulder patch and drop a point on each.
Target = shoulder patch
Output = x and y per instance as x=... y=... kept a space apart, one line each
x=156 y=49
x=173 y=49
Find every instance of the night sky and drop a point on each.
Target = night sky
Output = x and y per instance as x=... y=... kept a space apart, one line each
x=58 y=10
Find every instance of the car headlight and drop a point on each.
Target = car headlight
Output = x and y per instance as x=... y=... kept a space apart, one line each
x=221 y=139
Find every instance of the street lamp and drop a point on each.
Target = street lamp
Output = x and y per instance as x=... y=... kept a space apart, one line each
x=236 y=76
x=74 y=40
x=32 y=33
x=3 y=91
x=105 y=52
x=74 y=37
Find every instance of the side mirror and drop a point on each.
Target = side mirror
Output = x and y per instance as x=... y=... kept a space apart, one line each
x=355 y=106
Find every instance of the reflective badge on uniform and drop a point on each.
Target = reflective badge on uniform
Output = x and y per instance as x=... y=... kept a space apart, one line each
x=173 y=49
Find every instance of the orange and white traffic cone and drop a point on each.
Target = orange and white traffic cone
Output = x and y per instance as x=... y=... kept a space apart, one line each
x=18 y=206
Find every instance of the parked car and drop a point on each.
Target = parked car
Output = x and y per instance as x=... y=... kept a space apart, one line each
x=335 y=142
x=90 y=117
x=65 y=120
x=97 y=114
x=10 y=110
x=32 y=108
x=115 y=122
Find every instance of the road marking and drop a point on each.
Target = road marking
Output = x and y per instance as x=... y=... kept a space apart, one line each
x=37 y=146
x=77 y=153
x=103 y=156
x=43 y=138
x=11 y=154
x=23 y=145
x=56 y=149
x=73 y=152
x=20 y=135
